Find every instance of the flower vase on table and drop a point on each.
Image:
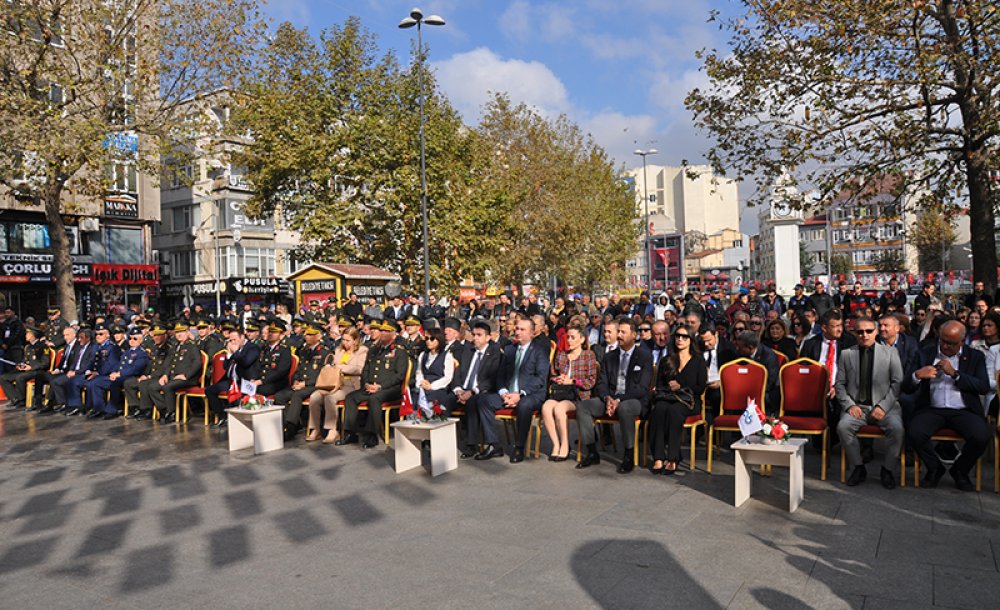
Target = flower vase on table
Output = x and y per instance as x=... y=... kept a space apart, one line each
x=254 y=402
x=773 y=432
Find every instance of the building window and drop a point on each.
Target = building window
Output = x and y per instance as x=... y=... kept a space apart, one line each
x=124 y=246
x=122 y=177
x=186 y=217
x=259 y=262
x=185 y=264
x=820 y=257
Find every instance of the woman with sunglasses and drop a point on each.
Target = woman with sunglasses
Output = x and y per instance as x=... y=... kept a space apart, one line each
x=801 y=330
x=680 y=381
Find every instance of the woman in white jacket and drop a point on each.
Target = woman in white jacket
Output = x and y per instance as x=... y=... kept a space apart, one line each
x=989 y=344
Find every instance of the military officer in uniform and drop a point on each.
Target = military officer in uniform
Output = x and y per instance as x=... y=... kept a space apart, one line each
x=253 y=335
x=209 y=341
x=119 y=338
x=295 y=339
x=312 y=356
x=181 y=371
x=107 y=360
x=381 y=381
x=54 y=329
x=32 y=368
x=134 y=362
x=275 y=361
x=159 y=355
x=411 y=340
x=315 y=312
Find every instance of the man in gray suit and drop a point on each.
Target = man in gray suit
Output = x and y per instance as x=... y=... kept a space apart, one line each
x=869 y=375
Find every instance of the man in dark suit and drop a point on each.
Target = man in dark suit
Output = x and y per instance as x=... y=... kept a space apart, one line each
x=748 y=346
x=825 y=348
x=718 y=352
x=475 y=377
x=620 y=392
x=242 y=362
x=61 y=386
x=521 y=385
x=890 y=334
x=610 y=340
x=869 y=375
x=949 y=382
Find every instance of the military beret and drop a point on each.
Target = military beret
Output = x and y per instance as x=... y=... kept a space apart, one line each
x=141 y=323
x=100 y=327
x=298 y=321
x=53 y=311
x=157 y=329
x=345 y=323
x=453 y=323
x=135 y=331
x=314 y=303
x=314 y=328
x=389 y=325
x=34 y=330
x=202 y=323
x=277 y=326
x=227 y=326
x=411 y=321
x=252 y=326
x=117 y=330
x=180 y=327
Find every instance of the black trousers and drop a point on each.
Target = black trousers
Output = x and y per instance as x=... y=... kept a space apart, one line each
x=218 y=405
x=15 y=384
x=523 y=412
x=375 y=401
x=972 y=427
x=292 y=400
x=165 y=396
x=667 y=421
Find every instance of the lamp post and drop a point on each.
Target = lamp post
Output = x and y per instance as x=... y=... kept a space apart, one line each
x=645 y=197
x=417 y=18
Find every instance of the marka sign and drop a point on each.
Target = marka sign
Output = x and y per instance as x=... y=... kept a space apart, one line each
x=121 y=208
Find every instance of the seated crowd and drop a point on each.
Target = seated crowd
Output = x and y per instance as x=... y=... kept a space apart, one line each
x=600 y=363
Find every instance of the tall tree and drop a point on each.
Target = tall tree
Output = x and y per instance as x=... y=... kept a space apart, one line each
x=862 y=88
x=335 y=126
x=567 y=212
x=78 y=75
x=933 y=234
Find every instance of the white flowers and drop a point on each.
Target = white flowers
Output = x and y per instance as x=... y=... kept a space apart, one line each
x=767 y=429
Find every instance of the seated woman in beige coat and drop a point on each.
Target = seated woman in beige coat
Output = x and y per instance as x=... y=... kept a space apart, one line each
x=349 y=359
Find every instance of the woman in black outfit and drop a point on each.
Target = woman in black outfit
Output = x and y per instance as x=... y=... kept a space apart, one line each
x=776 y=337
x=680 y=381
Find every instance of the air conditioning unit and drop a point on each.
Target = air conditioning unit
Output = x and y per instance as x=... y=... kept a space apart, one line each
x=90 y=225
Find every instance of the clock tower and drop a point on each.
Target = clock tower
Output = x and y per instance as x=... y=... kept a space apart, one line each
x=779 y=230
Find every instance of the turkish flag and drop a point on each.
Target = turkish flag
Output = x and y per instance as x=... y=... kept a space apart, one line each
x=664 y=255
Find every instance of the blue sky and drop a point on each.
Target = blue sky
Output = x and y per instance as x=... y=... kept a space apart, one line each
x=619 y=69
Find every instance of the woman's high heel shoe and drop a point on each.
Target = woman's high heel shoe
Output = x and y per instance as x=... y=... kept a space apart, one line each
x=331 y=438
x=313 y=436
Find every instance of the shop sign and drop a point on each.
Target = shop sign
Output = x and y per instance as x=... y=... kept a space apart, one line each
x=369 y=290
x=136 y=275
x=191 y=289
x=36 y=269
x=121 y=208
x=319 y=286
x=255 y=285
x=234 y=218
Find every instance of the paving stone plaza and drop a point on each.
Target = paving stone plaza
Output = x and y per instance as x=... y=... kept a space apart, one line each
x=125 y=514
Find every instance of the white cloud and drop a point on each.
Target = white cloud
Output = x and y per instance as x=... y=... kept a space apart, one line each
x=469 y=79
x=620 y=134
x=515 y=22
x=523 y=22
x=668 y=91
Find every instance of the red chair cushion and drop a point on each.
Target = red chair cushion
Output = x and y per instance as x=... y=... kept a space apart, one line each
x=505 y=413
x=809 y=424
x=694 y=419
x=947 y=432
x=200 y=392
x=727 y=421
x=870 y=430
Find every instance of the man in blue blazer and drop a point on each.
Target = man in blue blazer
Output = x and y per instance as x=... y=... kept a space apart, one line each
x=521 y=385
x=949 y=382
x=242 y=363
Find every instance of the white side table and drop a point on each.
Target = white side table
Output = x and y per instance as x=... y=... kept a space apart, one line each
x=788 y=454
x=444 y=445
x=261 y=429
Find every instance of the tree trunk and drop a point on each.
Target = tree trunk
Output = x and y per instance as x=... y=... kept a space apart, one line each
x=982 y=220
x=62 y=264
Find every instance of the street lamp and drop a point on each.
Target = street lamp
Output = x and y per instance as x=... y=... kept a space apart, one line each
x=417 y=18
x=645 y=196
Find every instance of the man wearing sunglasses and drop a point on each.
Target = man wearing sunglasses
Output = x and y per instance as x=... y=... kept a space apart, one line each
x=949 y=381
x=869 y=375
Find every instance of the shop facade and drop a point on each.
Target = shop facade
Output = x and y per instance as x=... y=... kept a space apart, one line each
x=326 y=282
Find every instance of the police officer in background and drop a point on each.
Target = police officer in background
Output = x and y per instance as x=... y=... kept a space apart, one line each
x=32 y=368
x=159 y=355
x=312 y=356
x=182 y=371
x=54 y=329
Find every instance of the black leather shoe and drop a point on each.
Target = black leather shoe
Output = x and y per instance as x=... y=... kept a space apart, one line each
x=469 y=452
x=74 y=411
x=627 y=465
x=858 y=475
x=932 y=478
x=109 y=416
x=888 y=478
x=370 y=442
x=143 y=415
x=558 y=458
x=489 y=452
x=94 y=414
x=290 y=432
x=962 y=480
x=589 y=460
x=46 y=410
x=517 y=456
x=348 y=439
x=168 y=417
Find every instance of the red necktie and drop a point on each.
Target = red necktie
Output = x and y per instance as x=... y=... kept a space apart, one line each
x=831 y=359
